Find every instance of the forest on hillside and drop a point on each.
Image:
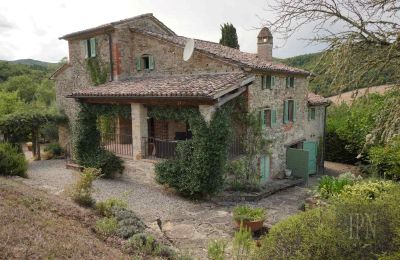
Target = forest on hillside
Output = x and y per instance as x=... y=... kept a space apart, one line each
x=321 y=81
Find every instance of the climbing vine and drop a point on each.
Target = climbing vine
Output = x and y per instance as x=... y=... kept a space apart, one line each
x=88 y=151
x=98 y=71
x=198 y=168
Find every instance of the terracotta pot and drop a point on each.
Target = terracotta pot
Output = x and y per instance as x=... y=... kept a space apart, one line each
x=47 y=155
x=252 y=225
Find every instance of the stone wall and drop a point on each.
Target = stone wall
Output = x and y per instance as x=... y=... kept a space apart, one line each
x=282 y=134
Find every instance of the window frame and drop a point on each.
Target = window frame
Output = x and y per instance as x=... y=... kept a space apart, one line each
x=268 y=81
x=290 y=82
x=90 y=48
x=312 y=113
x=289 y=111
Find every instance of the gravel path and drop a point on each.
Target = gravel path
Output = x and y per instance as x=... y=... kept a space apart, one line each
x=190 y=225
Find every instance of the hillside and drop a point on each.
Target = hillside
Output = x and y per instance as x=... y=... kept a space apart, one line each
x=33 y=62
x=318 y=64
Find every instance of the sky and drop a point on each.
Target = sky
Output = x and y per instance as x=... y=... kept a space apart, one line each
x=30 y=29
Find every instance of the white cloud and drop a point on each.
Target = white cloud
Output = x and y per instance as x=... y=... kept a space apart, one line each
x=30 y=29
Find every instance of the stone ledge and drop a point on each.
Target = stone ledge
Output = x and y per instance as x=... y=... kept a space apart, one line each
x=228 y=197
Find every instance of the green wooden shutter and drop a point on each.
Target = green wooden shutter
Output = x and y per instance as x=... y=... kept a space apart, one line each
x=269 y=82
x=286 y=112
x=263 y=82
x=92 y=47
x=262 y=114
x=273 y=117
x=287 y=82
x=272 y=81
x=151 y=62
x=292 y=82
x=309 y=113
x=85 y=47
x=294 y=110
x=138 y=65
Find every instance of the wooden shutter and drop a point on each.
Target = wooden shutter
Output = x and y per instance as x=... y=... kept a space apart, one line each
x=287 y=82
x=92 y=47
x=273 y=117
x=269 y=82
x=151 y=62
x=262 y=82
x=309 y=113
x=292 y=82
x=272 y=81
x=84 y=44
x=138 y=65
x=267 y=117
x=286 y=112
x=262 y=114
x=294 y=110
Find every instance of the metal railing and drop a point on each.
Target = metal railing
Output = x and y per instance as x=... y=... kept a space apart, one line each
x=157 y=148
x=236 y=147
x=118 y=144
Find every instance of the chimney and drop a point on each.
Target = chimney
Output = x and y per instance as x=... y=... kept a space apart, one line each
x=264 y=44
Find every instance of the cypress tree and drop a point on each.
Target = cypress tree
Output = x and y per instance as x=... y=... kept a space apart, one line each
x=228 y=36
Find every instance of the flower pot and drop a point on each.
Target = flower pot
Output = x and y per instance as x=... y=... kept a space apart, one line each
x=47 y=155
x=252 y=225
x=29 y=145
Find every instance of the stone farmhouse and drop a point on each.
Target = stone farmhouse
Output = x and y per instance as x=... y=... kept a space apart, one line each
x=146 y=68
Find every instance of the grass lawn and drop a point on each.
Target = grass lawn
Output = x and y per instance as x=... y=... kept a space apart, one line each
x=35 y=225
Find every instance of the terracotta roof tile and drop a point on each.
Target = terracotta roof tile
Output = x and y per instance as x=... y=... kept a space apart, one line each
x=199 y=85
x=230 y=54
x=316 y=100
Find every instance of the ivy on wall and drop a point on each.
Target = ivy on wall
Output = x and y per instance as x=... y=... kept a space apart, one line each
x=98 y=71
x=88 y=151
x=198 y=168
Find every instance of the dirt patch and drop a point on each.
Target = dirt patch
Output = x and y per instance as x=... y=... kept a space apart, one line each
x=35 y=225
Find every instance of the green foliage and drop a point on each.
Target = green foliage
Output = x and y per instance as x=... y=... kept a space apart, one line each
x=10 y=103
x=82 y=190
x=229 y=36
x=348 y=127
x=386 y=159
x=107 y=226
x=216 y=250
x=97 y=70
x=128 y=223
x=87 y=147
x=24 y=86
x=198 y=168
x=243 y=244
x=147 y=245
x=355 y=225
x=104 y=208
x=12 y=162
x=247 y=213
x=329 y=186
x=54 y=148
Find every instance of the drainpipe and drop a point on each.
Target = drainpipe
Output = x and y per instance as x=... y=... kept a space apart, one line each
x=324 y=141
x=111 y=57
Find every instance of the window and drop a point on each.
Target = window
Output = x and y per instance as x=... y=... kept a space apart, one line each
x=145 y=62
x=90 y=47
x=289 y=114
x=267 y=82
x=268 y=117
x=290 y=82
x=311 y=113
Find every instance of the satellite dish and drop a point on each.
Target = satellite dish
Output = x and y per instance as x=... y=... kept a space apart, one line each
x=188 y=51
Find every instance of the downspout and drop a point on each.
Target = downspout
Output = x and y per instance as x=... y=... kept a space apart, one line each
x=111 y=57
x=324 y=141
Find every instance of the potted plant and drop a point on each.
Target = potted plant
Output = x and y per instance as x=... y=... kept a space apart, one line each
x=249 y=217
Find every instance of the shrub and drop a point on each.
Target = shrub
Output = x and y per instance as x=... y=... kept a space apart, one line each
x=368 y=189
x=351 y=227
x=104 y=208
x=329 y=186
x=11 y=161
x=243 y=244
x=247 y=213
x=107 y=226
x=54 y=148
x=216 y=250
x=128 y=223
x=147 y=245
x=82 y=189
x=109 y=163
x=386 y=159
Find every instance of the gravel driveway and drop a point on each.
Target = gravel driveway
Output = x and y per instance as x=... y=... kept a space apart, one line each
x=189 y=224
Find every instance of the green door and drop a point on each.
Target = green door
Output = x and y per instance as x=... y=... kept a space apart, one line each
x=311 y=147
x=265 y=163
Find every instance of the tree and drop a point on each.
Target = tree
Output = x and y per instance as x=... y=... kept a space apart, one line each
x=228 y=36
x=363 y=36
x=24 y=85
